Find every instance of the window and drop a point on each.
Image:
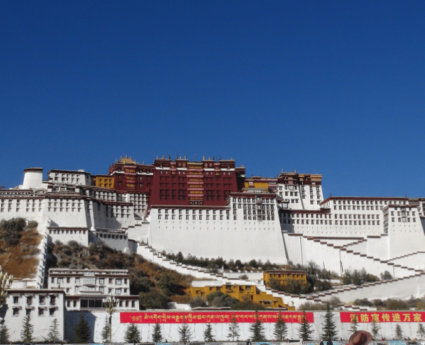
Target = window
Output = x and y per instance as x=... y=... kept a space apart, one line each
x=15 y=299
x=118 y=281
x=15 y=311
x=77 y=280
x=29 y=300
x=68 y=280
x=118 y=291
x=42 y=299
x=52 y=311
x=40 y=312
x=52 y=300
x=101 y=281
x=110 y=280
x=28 y=312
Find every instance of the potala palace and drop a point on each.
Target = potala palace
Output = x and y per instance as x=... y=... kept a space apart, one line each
x=211 y=209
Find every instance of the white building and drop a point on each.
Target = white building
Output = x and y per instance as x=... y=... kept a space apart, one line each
x=42 y=305
x=87 y=289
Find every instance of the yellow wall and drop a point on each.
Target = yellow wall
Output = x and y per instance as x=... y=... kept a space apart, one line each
x=283 y=276
x=104 y=182
x=241 y=292
x=263 y=185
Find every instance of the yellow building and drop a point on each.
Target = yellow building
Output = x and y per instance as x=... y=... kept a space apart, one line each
x=283 y=276
x=242 y=293
x=104 y=181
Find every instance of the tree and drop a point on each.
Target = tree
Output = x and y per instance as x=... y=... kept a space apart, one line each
x=208 y=336
x=421 y=331
x=106 y=331
x=354 y=325
x=109 y=303
x=398 y=332
x=53 y=335
x=132 y=334
x=167 y=284
x=82 y=331
x=184 y=332
x=257 y=329
x=375 y=328
x=28 y=330
x=280 y=328
x=157 y=334
x=4 y=335
x=305 y=330
x=233 y=328
x=329 y=327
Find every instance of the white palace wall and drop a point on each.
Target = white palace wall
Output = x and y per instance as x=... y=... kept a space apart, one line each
x=96 y=321
x=230 y=239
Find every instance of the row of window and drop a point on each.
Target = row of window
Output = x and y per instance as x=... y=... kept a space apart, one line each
x=326 y=222
x=97 y=303
x=41 y=312
x=41 y=300
x=180 y=217
x=76 y=280
x=328 y=215
x=369 y=202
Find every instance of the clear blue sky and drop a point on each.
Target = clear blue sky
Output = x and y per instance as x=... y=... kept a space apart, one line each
x=331 y=87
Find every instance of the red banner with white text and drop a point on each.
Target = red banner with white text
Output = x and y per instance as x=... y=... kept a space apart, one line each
x=383 y=316
x=211 y=317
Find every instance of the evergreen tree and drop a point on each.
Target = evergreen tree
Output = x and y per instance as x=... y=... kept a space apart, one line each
x=375 y=329
x=280 y=328
x=4 y=335
x=329 y=327
x=208 y=336
x=257 y=329
x=106 y=331
x=28 y=330
x=132 y=334
x=354 y=325
x=398 y=332
x=233 y=328
x=305 y=330
x=421 y=331
x=184 y=332
x=157 y=334
x=82 y=331
x=53 y=335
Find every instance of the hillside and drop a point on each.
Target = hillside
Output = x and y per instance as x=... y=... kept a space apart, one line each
x=155 y=285
x=18 y=247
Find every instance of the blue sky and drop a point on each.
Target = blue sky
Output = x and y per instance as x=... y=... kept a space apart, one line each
x=331 y=87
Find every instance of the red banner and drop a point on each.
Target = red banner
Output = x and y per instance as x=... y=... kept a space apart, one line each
x=211 y=317
x=383 y=316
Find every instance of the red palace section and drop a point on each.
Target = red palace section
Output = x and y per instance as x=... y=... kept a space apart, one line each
x=179 y=182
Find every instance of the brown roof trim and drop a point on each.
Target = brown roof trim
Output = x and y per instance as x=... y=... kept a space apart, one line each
x=33 y=170
x=36 y=290
x=363 y=198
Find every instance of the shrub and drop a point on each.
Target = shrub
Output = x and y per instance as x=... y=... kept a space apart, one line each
x=197 y=302
x=153 y=300
x=219 y=299
x=12 y=230
x=363 y=302
x=32 y=224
